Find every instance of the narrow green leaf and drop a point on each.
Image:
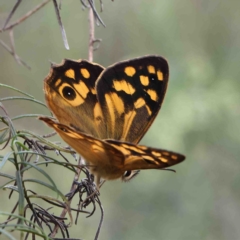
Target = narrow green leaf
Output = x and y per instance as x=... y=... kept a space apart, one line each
x=43 y=140
x=27 y=115
x=7 y=234
x=21 y=193
x=6 y=175
x=23 y=98
x=5 y=158
x=15 y=89
x=24 y=227
x=53 y=187
x=46 y=185
x=3 y=135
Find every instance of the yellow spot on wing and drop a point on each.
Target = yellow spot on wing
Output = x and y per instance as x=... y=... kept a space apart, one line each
x=174 y=157
x=98 y=143
x=122 y=85
x=122 y=149
x=93 y=90
x=139 y=103
x=148 y=109
x=85 y=72
x=156 y=154
x=58 y=82
x=82 y=89
x=163 y=159
x=117 y=102
x=166 y=153
x=97 y=148
x=114 y=102
x=70 y=73
x=149 y=158
x=128 y=119
x=130 y=71
x=144 y=80
x=133 y=148
x=97 y=113
x=153 y=95
x=143 y=147
x=159 y=75
x=151 y=69
x=74 y=135
x=111 y=111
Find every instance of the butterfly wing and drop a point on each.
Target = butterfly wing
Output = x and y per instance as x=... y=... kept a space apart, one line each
x=110 y=159
x=139 y=157
x=71 y=95
x=130 y=94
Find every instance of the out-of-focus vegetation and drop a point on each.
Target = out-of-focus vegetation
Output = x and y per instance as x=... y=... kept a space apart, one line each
x=200 y=115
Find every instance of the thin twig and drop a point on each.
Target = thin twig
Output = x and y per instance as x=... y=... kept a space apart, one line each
x=11 y=49
x=91 y=35
x=19 y=60
x=101 y=220
x=25 y=16
x=91 y=3
x=92 y=40
x=64 y=36
x=11 y=13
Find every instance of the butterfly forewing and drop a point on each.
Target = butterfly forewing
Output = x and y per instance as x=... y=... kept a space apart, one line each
x=123 y=103
x=130 y=94
x=71 y=95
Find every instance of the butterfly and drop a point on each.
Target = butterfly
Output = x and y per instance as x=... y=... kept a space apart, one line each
x=104 y=113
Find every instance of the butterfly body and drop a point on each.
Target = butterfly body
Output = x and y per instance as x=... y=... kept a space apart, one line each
x=104 y=113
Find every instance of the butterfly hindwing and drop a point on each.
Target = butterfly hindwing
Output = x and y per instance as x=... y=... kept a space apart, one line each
x=130 y=94
x=143 y=157
x=71 y=95
x=110 y=159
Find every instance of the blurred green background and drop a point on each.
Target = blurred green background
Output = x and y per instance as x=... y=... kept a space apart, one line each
x=199 y=117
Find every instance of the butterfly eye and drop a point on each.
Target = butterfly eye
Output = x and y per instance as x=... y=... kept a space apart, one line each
x=128 y=175
x=69 y=93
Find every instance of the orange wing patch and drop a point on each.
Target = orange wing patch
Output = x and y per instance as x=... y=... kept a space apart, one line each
x=151 y=69
x=85 y=72
x=122 y=85
x=144 y=80
x=160 y=75
x=70 y=73
x=130 y=71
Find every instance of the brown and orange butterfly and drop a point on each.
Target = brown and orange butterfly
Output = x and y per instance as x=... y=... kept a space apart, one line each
x=104 y=113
